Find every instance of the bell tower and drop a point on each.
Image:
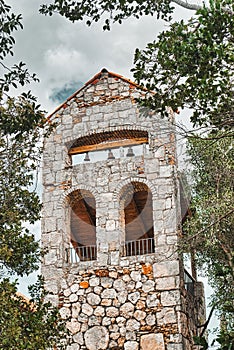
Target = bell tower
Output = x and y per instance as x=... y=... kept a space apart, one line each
x=111 y=217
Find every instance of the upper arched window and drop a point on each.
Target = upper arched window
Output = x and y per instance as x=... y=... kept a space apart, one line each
x=109 y=145
x=83 y=225
x=136 y=202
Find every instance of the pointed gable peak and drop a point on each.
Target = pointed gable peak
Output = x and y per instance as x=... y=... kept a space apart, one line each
x=97 y=78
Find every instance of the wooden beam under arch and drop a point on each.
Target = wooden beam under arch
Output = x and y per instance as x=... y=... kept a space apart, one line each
x=107 y=145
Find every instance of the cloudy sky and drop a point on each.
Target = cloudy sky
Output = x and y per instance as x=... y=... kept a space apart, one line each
x=62 y=53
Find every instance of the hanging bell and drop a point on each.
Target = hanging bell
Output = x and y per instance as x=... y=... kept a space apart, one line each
x=110 y=155
x=130 y=152
x=86 y=158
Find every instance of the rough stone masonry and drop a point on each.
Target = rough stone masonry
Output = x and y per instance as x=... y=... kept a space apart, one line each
x=114 y=299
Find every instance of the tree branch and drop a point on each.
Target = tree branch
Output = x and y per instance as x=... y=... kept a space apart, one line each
x=209 y=226
x=186 y=5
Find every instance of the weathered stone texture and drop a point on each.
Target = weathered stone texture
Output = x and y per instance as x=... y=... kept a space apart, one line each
x=115 y=301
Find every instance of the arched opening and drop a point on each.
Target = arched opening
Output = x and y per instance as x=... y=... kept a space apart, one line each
x=83 y=225
x=108 y=145
x=138 y=219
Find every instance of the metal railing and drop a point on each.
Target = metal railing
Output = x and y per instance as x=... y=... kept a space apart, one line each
x=84 y=253
x=189 y=283
x=139 y=247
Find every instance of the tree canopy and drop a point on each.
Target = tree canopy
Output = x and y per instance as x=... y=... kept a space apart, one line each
x=189 y=65
x=209 y=231
x=33 y=323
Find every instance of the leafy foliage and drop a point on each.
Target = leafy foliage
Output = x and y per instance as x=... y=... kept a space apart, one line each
x=210 y=229
x=27 y=324
x=18 y=73
x=111 y=11
x=191 y=65
x=24 y=324
x=22 y=124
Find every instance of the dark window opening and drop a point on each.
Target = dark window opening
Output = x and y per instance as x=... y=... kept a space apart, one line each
x=83 y=226
x=138 y=217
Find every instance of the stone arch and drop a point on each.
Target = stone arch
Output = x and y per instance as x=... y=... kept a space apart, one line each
x=119 y=188
x=71 y=139
x=81 y=214
x=136 y=218
x=63 y=198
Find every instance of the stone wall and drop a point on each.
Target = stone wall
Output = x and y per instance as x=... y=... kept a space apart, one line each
x=133 y=307
x=115 y=302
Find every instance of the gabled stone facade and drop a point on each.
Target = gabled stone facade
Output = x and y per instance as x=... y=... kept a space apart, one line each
x=111 y=225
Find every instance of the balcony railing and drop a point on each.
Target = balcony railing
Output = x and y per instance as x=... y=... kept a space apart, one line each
x=85 y=253
x=89 y=253
x=189 y=283
x=140 y=247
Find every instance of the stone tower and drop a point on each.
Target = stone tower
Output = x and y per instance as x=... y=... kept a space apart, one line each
x=111 y=217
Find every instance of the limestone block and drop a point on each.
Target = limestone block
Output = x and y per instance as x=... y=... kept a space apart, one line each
x=106 y=302
x=109 y=294
x=166 y=315
x=136 y=275
x=103 y=258
x=106 y=321
x=93 y=299
x=130 y=335
x=132 y=325
x=78 y=338
x=167 y=268
x=169 y=298
x=51 y=287
x=175 y=347
x=94 y=281
x=131 y=345
x=172 y=239
x=140 y=305
x=119 y=285
x=94 y=321
x=152 y=300
x=87 y=309
x=110 y=225
x=83 y=318
x=134 y=297
x=165 y=170
x=73 y=298
x=151 y=320
x=114 y=258
x=97 y=290
x=50 y=224
x=74 y=288
x=138 y=285
x=73 y=326
x=75 y=310
x=99 y=311
x=65 y=312
x=130 y=286
x=112 y=311
x=166 y=283
x=148 y=286
x=127 y=310
x=120 y=321
x=51 y=257
x=152 y=342
x=73 y=346
x=96 y=338
x=106 y=282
